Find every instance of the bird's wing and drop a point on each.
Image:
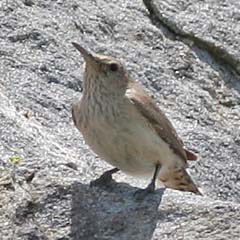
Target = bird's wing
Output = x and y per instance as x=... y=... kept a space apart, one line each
x=73 y=116
x=76 y=114
x=148 y=108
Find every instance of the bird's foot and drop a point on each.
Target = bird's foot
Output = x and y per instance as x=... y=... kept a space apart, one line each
x=104 y=180
x=140 y=194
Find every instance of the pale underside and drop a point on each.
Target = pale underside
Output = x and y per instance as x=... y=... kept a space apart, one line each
x=129 y=141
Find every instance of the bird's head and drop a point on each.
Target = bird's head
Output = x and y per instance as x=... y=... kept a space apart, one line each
x=104 y=72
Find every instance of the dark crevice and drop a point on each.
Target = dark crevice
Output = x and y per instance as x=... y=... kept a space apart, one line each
x=219 y=54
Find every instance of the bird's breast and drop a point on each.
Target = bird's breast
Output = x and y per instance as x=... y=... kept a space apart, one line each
x=125 y=139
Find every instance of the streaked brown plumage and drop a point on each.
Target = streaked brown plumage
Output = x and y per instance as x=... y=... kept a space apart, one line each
x=125 y=127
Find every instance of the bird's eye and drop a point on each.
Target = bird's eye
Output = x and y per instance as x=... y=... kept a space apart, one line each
x=113 y=67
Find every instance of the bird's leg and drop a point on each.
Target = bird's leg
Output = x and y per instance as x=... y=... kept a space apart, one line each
x=105 y=178
x=142 y=193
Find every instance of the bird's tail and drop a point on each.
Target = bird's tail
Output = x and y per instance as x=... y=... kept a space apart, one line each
x=180 y=180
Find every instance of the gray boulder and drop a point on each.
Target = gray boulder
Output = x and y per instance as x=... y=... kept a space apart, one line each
x=185 y=53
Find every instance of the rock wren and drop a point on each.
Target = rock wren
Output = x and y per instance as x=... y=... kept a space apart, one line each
x=123 y=125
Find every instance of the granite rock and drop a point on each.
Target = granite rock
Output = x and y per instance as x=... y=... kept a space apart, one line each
x=45 y=166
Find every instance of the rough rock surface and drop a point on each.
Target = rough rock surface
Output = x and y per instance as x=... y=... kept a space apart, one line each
x=185 y=52
x=213 y=25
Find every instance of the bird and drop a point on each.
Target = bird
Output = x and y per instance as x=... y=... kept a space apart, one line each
x=125 y=127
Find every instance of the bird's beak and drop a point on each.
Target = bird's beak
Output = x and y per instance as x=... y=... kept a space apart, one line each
x=88 y=57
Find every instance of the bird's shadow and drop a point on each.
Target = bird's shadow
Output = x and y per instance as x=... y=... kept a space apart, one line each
x=112 y=213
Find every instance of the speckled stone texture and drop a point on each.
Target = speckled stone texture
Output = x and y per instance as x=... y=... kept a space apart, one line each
x=185 y=52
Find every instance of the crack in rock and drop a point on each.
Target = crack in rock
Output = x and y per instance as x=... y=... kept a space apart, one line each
x=218 y=52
